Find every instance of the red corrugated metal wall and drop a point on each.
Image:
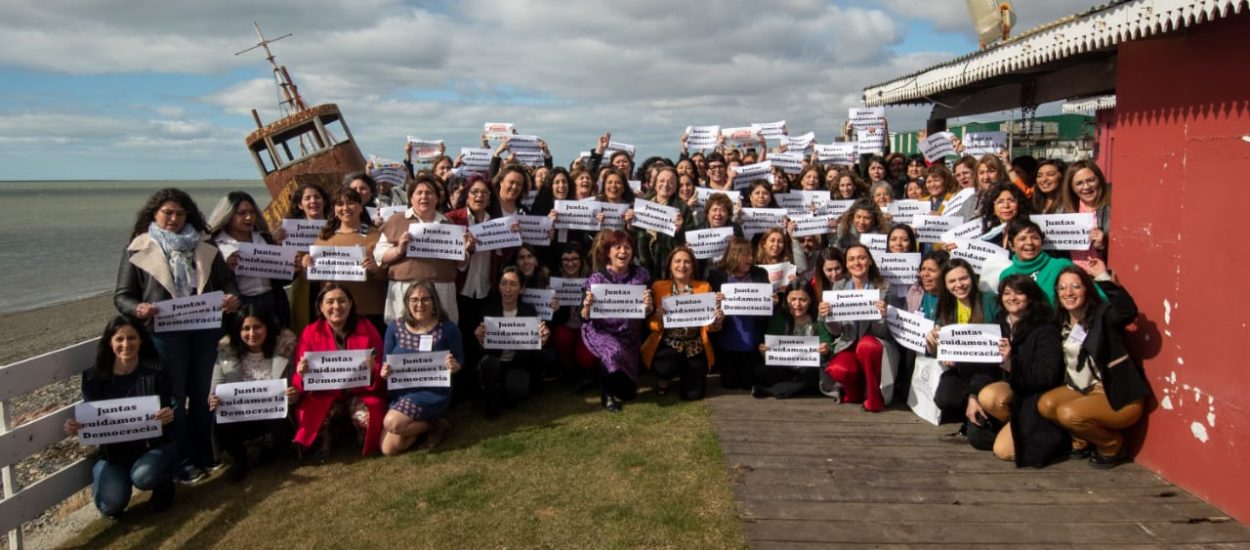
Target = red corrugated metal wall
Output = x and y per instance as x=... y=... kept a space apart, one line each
x=1180 y=205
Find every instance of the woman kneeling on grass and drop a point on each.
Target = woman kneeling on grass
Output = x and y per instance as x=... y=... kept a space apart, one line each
x=418 y=411
x=339 y=329
x=127 y=365
x=255 y=349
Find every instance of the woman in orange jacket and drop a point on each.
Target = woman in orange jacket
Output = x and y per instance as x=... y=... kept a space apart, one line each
x=680 y=352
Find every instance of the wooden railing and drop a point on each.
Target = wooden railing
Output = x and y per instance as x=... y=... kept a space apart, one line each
x=22 y=504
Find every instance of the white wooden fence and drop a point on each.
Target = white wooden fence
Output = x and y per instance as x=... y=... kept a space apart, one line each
x=22 y=504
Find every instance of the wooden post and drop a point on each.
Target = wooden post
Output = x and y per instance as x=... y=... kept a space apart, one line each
x=6 y=475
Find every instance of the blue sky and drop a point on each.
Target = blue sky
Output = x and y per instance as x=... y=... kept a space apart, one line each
x=136 y=89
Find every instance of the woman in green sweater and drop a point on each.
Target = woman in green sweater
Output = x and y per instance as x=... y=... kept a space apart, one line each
x=795 y=317
x=1025 y=239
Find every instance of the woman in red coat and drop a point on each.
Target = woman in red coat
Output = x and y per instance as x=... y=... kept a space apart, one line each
x=338 y=329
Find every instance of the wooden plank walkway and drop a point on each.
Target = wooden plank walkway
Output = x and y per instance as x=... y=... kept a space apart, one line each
x=809 y=473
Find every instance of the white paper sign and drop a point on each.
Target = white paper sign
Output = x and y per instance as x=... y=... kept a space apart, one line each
x=969 y=343
x=1065 y=231
x=904 y=210
x=613 y=214
x=809 y=224
x=426 y=369
x=747 y=173
x=702 y=193
x=248 y=401
x=792 y=351
x=790 y=163
x=876 y=243
x=863 y=117
x=614 y=146
x=512 y=333
x=535 y=230
x=759 y=220
x=770 y=130
x=495 y=130
x=201 y=311
x=739 y=136
x=709 y=243
x=836 y=153
x=779 y=274
x=476 y=159
x=984 y=143
x=569 y=291
x=871 y=140
x=385 y=212
x=579 y=215
x=656 y=217
x=937 y=146
x=436 y=240
x=967 y=230
x=924 y=382
x=265 y=261
x=908 y=329
x=617 y=301
x=899 y=268
x=699 y=138
x=118 y=420
x=748 y=299
x=300 y=234
x=798 y=144
x=541 y=299
x=689 y=310
x=495 y=234
x=838 y=207
x=337 y=263
x=951 y=206
x=930 y=229
x=395 y=174
x=852 y=305
x=336 y=370
x=424 y=149
x=977 y=252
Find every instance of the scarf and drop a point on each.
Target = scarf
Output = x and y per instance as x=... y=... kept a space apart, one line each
x=179 y=249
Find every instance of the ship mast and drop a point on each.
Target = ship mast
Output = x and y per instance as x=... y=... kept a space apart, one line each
x=292 y=103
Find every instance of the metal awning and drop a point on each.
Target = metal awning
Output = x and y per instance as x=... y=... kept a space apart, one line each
x=1072 y=57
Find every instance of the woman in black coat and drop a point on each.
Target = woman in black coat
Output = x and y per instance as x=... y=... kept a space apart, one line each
x=1034 y=364
x=508 y=376
x=1104 y=388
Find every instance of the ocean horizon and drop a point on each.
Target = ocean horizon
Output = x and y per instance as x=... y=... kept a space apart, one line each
x=62 y=240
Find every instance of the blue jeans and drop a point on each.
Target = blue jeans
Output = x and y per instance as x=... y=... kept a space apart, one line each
x=112 y=480
x=188 y=357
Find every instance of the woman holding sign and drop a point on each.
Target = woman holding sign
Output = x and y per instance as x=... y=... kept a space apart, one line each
x=795 y=317
x=864 y=358
x=1003 y=204
x=402 y=270
x=615 y=341
x=961 y=302
x=510 y=375
x=350 y=227
x=1085 y=190
x=308 y=202
x=255 y=349
x=168 y=258
x=419 y=410
x=736 y=345
x=1033 y=360
x=862 y=217
x=236 y=219
x=680 y=352
x=1025 y=238
x=127 y=365
x=338 y=328
x=654 y=247
x=1104 y=386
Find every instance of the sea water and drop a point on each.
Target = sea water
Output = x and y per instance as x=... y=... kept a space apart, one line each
x=63 y=240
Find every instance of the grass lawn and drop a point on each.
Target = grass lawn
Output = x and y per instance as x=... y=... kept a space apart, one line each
x=558 y=472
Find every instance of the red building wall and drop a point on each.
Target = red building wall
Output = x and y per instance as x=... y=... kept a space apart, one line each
x=1179 y=242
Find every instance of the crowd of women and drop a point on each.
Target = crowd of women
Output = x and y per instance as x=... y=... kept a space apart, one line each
x=1065 y=383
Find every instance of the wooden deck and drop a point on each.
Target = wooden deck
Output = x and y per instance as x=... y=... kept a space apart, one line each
x=809 y=473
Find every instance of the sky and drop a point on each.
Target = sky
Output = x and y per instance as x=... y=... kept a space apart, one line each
x=152 y=89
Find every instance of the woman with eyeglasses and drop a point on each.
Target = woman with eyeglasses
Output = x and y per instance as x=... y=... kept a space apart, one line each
x=1085 y=191
x=169 y=257
x=417 y=412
